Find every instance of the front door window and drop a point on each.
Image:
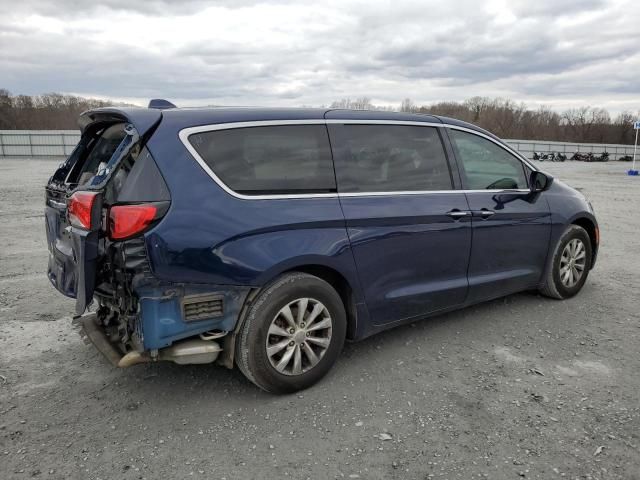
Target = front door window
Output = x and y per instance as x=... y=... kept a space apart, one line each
x=485 y=165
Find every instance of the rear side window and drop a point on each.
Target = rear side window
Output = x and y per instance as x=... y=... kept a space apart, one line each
x=485 y=165
x=286 y=159
x=389 y=158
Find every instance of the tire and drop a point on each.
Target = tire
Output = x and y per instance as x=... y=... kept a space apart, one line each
x=557 y=284
x=268 y=314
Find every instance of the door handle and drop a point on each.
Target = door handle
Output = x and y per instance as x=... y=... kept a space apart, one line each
x=457 y=214
x=484 y=213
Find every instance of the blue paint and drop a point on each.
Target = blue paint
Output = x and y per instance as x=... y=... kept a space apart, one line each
x=162 y=318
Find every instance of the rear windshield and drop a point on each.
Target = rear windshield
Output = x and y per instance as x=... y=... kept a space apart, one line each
x=105 y=147
x=100 y=148
x=269 y=160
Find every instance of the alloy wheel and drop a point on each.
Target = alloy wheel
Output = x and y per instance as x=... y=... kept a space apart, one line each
x=299 y=336
x=572 y=262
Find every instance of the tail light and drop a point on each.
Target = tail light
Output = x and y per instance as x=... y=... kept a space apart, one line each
x=128 y=220
x=80 y=207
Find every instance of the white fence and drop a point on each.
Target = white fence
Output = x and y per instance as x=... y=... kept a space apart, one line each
x=527 y=147
x=38 y=143
x=60 y=143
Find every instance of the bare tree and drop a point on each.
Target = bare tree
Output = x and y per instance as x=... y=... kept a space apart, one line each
x=509 y=119
x=362 y=103
x=6 y=120
x=47 y=111
x=408 y=106
x=342 y=103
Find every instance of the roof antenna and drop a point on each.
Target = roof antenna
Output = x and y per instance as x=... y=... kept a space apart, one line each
x=160 y=104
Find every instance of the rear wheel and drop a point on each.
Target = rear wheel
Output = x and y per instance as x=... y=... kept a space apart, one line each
x=570 y=264
x=292 y=335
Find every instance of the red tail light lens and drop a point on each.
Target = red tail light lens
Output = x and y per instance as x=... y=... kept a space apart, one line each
x=80 y=206
x=128 y=220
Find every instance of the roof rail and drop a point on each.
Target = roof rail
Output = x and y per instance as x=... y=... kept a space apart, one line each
x=160 y=104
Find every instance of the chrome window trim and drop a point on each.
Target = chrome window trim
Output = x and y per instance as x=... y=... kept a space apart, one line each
x=424 y=192
x=186 y=132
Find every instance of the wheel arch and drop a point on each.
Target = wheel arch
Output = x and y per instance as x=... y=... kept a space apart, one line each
x=338 y=272
x=341 y=285
x=592 y=230
x=335 y=278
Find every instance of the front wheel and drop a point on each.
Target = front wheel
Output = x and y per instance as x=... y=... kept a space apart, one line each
x=293 y=333
x=570 y=264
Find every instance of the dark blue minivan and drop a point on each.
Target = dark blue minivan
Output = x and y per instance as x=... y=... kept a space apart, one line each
x=266 y=237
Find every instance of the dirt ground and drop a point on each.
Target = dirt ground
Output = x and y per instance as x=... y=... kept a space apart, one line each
x=521 y=387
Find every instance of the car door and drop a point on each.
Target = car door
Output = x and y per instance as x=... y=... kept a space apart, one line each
x=511 y=226
x=409 y=230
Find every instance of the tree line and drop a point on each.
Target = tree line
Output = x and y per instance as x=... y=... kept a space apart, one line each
x=503 y=117
x=508 y=119
x=50 y=111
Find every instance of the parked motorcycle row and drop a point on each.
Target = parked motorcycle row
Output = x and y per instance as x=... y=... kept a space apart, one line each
x=590 y=157
x=550 y=157
x=578 y=157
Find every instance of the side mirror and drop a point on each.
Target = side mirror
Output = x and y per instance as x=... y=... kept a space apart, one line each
x=539 y=182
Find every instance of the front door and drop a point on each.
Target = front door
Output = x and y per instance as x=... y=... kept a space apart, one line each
x=410 y=232
x=511 y=226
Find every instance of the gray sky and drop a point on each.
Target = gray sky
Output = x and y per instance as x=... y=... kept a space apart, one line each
x=561 y=53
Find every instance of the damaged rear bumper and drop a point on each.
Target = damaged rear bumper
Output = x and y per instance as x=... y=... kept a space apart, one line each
x=92 y=332
x=195 y=350
x=171 y=313
x=143 y=317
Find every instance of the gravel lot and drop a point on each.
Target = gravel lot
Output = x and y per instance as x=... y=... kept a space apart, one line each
x=522 y=387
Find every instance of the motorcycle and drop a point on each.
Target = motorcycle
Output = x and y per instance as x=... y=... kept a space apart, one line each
x=555 y=157
x=542 y=156
x=583 y=157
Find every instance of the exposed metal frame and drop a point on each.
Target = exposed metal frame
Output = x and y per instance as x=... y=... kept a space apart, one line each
x=185 y=133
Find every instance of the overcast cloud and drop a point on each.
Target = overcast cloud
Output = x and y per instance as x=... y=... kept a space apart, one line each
x=561 y=53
